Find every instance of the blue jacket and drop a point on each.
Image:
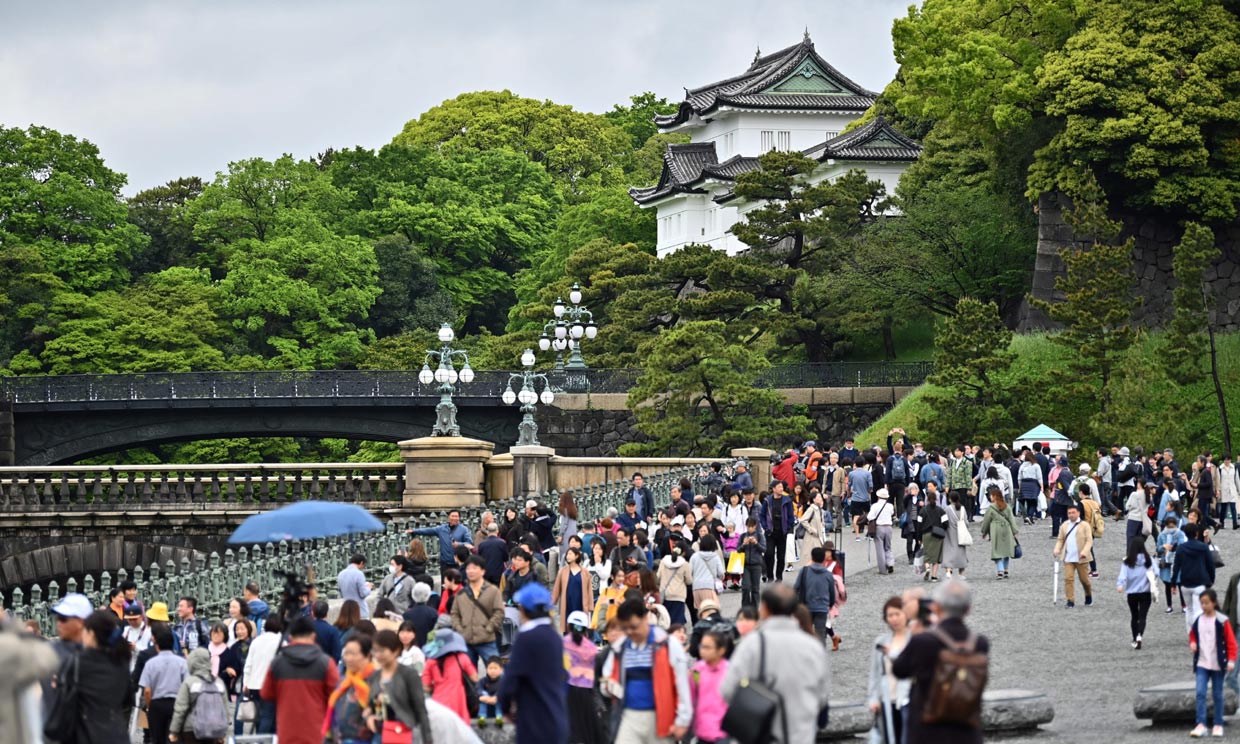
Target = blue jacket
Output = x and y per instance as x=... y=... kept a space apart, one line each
x=815 y=586
x=258 y=613
x=645 y=501
x=741 y=481
x=447 y=535
x=536 y=689
x=1194 y=565
x=328 y=638
x=789 y=516
x=932 y=471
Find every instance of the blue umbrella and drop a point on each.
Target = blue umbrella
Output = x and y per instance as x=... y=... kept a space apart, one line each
x=306 y=520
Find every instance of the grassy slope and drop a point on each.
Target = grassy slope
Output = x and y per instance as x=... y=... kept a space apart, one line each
x=1036 y=353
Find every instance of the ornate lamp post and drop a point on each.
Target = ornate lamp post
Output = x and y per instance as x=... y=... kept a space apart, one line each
x=527 y=397
x=571 y=324
x=447 y=377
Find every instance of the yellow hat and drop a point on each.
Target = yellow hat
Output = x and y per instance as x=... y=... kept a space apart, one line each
x=158 y=611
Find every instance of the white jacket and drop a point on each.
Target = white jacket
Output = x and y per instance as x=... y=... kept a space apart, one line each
x=1228 y=484
x=262 y=651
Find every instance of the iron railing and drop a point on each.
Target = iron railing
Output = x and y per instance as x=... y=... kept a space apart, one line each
x=215 y=579
x=357 y=385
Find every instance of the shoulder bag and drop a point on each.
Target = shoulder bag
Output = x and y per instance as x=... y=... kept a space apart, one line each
x=65 y=715
x=751 y=714
x=963 y=536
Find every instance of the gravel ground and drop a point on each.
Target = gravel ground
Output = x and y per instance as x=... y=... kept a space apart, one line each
x=1081 y=657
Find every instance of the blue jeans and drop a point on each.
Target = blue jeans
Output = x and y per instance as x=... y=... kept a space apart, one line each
x=266 y=717
x=1001 y=564
x=1224 y=510
x=480 y=653
x=1204 y=677
x=488 y=710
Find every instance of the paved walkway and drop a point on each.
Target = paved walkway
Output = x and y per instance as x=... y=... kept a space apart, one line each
x=1081 y=657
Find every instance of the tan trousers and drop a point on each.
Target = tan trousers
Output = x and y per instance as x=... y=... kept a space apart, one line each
x=637 y=727
x=1070 y=572
x=701 y=595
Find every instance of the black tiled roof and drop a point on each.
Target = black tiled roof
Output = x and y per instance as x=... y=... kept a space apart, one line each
x=745 y=90
x=877 y=140
x=682 y=168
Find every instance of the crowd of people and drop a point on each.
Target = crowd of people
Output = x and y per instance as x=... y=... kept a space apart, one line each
x=611 y=630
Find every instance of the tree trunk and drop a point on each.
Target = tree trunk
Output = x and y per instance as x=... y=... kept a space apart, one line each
x=1218 y=390
x=889 y=340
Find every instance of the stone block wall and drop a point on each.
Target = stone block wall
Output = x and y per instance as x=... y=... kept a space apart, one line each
x=1154 y=246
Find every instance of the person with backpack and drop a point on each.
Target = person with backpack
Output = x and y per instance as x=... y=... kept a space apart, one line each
x=946 y=699
x=450 y=676
x=202 y=711
x=763 y=656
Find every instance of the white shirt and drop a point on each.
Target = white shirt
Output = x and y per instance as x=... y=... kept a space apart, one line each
x=1207 y=644
x=1071 y=551
x=262 y=651
x=881 y=513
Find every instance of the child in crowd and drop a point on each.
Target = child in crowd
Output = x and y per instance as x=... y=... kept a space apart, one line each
x=1171 y=537
x=488 y=693
x=704 y=682
x=1214 y=654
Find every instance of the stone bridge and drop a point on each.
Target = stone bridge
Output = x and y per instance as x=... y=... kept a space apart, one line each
x=62 y=419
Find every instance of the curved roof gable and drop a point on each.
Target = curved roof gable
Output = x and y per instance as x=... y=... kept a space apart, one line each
x=877 y=140
x=795 y=77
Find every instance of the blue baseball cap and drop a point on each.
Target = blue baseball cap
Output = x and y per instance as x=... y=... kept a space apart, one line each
x=533 y=597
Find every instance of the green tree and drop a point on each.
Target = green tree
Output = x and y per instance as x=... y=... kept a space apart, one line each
x=972 y=371
x=581 y=151
x=637 y=118
x=701 y=398
x=410 y=296
x=1146 y=93
x=167 y=322
x=801 y=238
x=58 y=197
x=160 y=214
x=1190 y=348
x=1096 y=313
x=951 y=243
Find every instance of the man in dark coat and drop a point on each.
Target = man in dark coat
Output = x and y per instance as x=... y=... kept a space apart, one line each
x=533 y=687
x=918 y=661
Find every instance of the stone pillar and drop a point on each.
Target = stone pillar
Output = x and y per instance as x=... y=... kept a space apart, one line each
x=531 y=476
x=8 y=435
x=759 y=465
x=443 y=472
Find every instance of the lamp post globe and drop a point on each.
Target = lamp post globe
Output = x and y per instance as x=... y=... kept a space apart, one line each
x=527 y=358
x=508 y=397
x=558 y=308
x=547 y=397
x=591 y=330
x=445 y=334
x=426 y=377
x=467 y=374
x=544 y=342
x=574 y=295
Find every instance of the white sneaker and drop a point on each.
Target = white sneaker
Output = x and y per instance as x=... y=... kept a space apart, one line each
x=1199 y=732
x=1217 y=731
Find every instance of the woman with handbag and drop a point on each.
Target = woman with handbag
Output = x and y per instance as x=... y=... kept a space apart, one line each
x=348 y=718
x=398 y=710
x=999 y=527
x=811 y=531
x=956 y=545
x=932 y=524
x=447 y=668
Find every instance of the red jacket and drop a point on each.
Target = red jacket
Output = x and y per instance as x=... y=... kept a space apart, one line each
x=785 y=472
x=300 y=680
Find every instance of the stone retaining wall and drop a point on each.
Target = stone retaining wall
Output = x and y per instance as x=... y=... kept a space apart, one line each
x=1155 y=241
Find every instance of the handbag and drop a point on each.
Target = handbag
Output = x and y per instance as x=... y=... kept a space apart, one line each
x=395 y=732
x=1018 y=553
x=751 y=714
x=736 y=562
x=247 y=709
x=1216 y=555
x=62 y=721
x=963 y=536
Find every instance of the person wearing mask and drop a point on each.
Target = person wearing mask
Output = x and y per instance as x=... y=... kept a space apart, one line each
x=1193 y=570
x=1213 y=643
x=805 y=687
x=99 y=677
x=888 y=696
x=1134 y=582
x=999 y=527
x=882 y=514
x=780 y=522
x=257 y=662
x=353 y=585
x=1076 y=544
x=398 y=584
x=299 y=681
x=647 y=677
x=531 y=690
x=398 y=703
x=199 y=681
x=921 y=656
x=160 y=681
x=478 y=612
x=450 y=535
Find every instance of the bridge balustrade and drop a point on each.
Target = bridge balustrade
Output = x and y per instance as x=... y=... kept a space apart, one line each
x=215 y=579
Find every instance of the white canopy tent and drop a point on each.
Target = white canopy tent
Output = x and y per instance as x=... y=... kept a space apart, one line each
x=1043 y=434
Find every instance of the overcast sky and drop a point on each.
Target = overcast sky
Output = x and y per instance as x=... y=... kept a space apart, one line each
x=178 y=88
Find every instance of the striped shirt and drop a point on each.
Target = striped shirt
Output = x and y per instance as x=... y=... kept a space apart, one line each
x=638 y=676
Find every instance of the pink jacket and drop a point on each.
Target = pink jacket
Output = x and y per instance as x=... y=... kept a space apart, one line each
x=708 y=703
